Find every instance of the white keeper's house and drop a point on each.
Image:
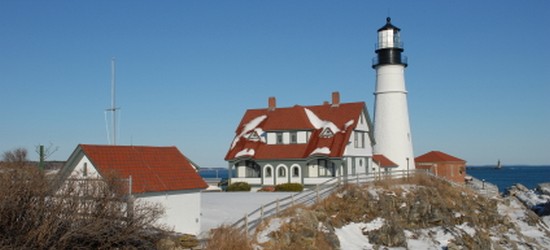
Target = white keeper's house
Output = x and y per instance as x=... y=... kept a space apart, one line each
x=302 y=144
x=158 y=174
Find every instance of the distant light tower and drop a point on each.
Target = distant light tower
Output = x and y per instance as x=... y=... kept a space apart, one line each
x=391 y=116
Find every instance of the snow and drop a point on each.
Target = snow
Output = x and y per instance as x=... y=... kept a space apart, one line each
x=221 y=208
x=228 y=207
x=272 y=226
x=351 y=237
x=323 y=150
x=320 y=124
x=245 y=152
x=251 y=125
x=348 y=124
x=530 y=198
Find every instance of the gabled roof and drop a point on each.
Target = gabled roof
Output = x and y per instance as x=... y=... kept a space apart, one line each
x=341 y=119
x=437 y=156
x=153 y=169
x=383 y=161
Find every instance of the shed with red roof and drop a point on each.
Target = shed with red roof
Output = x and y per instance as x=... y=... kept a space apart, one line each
x=158 y=174
x=443 y=165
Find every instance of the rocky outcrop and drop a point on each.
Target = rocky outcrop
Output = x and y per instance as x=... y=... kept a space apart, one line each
x=537 y=199
x=427 y=210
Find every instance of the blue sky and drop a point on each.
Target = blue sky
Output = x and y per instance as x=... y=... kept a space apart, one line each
x=478 y=75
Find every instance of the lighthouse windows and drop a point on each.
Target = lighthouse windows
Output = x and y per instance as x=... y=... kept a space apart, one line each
x=389 y=39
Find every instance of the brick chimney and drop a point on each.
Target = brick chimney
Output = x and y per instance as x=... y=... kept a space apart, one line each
x=335 y=99
x=272 y=103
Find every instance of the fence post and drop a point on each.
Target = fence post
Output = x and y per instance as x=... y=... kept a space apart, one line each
x=246 y=223
x=317 y=192
x=262 y=213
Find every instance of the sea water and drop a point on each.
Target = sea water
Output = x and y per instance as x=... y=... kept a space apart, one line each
x=504 y=177
x=507 y=176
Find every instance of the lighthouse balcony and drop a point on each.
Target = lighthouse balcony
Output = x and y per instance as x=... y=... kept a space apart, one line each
x=400 y=59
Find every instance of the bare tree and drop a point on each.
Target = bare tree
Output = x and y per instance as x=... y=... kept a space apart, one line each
x=16 y=157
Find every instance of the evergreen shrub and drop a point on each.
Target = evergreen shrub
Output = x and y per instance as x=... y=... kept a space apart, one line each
x=238 y=187
x=289 y=187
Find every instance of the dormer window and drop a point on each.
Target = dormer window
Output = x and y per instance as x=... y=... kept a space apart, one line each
x=327 y=133
x=279 y=137
x=254 y=136
x=293 y=137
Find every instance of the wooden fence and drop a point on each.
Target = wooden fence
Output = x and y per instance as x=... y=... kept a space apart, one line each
x=307 y=197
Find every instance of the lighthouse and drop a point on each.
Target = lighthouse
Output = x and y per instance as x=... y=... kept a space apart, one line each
x=392 y=131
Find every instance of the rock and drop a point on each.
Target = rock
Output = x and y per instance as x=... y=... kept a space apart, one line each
x=542 y=209
x=390 y=235
x=543 y=188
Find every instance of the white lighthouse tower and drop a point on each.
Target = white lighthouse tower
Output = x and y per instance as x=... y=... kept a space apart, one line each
x=391 y=116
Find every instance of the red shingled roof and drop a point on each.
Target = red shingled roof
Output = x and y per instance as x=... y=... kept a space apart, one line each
x=295 y=119
x=383 y=161
x=436 y=156
x=153 y=169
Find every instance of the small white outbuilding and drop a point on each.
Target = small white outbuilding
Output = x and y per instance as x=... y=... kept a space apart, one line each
x=158 y=174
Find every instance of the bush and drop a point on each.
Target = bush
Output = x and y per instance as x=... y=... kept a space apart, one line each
x=34 y=215
x=238 y=187
x=289 y=187
x=227 y=238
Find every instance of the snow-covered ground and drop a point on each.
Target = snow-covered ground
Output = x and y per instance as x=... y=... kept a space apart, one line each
x=226 y=208
x=220 y=208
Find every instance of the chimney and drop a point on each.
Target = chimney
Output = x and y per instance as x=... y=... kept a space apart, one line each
x=335 y=99
x=272 y=103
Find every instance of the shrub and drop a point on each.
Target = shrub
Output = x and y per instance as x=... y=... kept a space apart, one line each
x=34 y=215
x=238 y=186
x=227 y=238
x=289 y=187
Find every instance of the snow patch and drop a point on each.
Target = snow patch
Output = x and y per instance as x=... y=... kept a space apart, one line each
x=323 y=150
x=273 y=225
x=351 y=237
x=320 y=124
x=251 y=125
x=245 y=152
x=348 y=124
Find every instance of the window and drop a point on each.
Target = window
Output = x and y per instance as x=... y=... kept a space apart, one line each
x=295 y=172
x=85 y=169
x=268 y=172
x=326 y=168
x=282 y=172
x=327 y=133
x=359 y=139
x=293 y=137
x=253 y=136
x=252 y=169
x=279 y=137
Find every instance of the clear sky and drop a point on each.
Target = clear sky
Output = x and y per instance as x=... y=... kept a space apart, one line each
x=478 y=75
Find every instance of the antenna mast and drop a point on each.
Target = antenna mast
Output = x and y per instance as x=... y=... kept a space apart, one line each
x=113 y=108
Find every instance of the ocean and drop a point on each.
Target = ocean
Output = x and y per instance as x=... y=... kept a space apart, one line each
x=504 y=177
x=507 y=176
x=213 y=173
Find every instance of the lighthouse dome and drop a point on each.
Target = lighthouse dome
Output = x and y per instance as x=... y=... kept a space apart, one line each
x=389 y=25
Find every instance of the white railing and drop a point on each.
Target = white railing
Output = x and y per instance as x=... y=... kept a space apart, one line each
x=320 y=191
